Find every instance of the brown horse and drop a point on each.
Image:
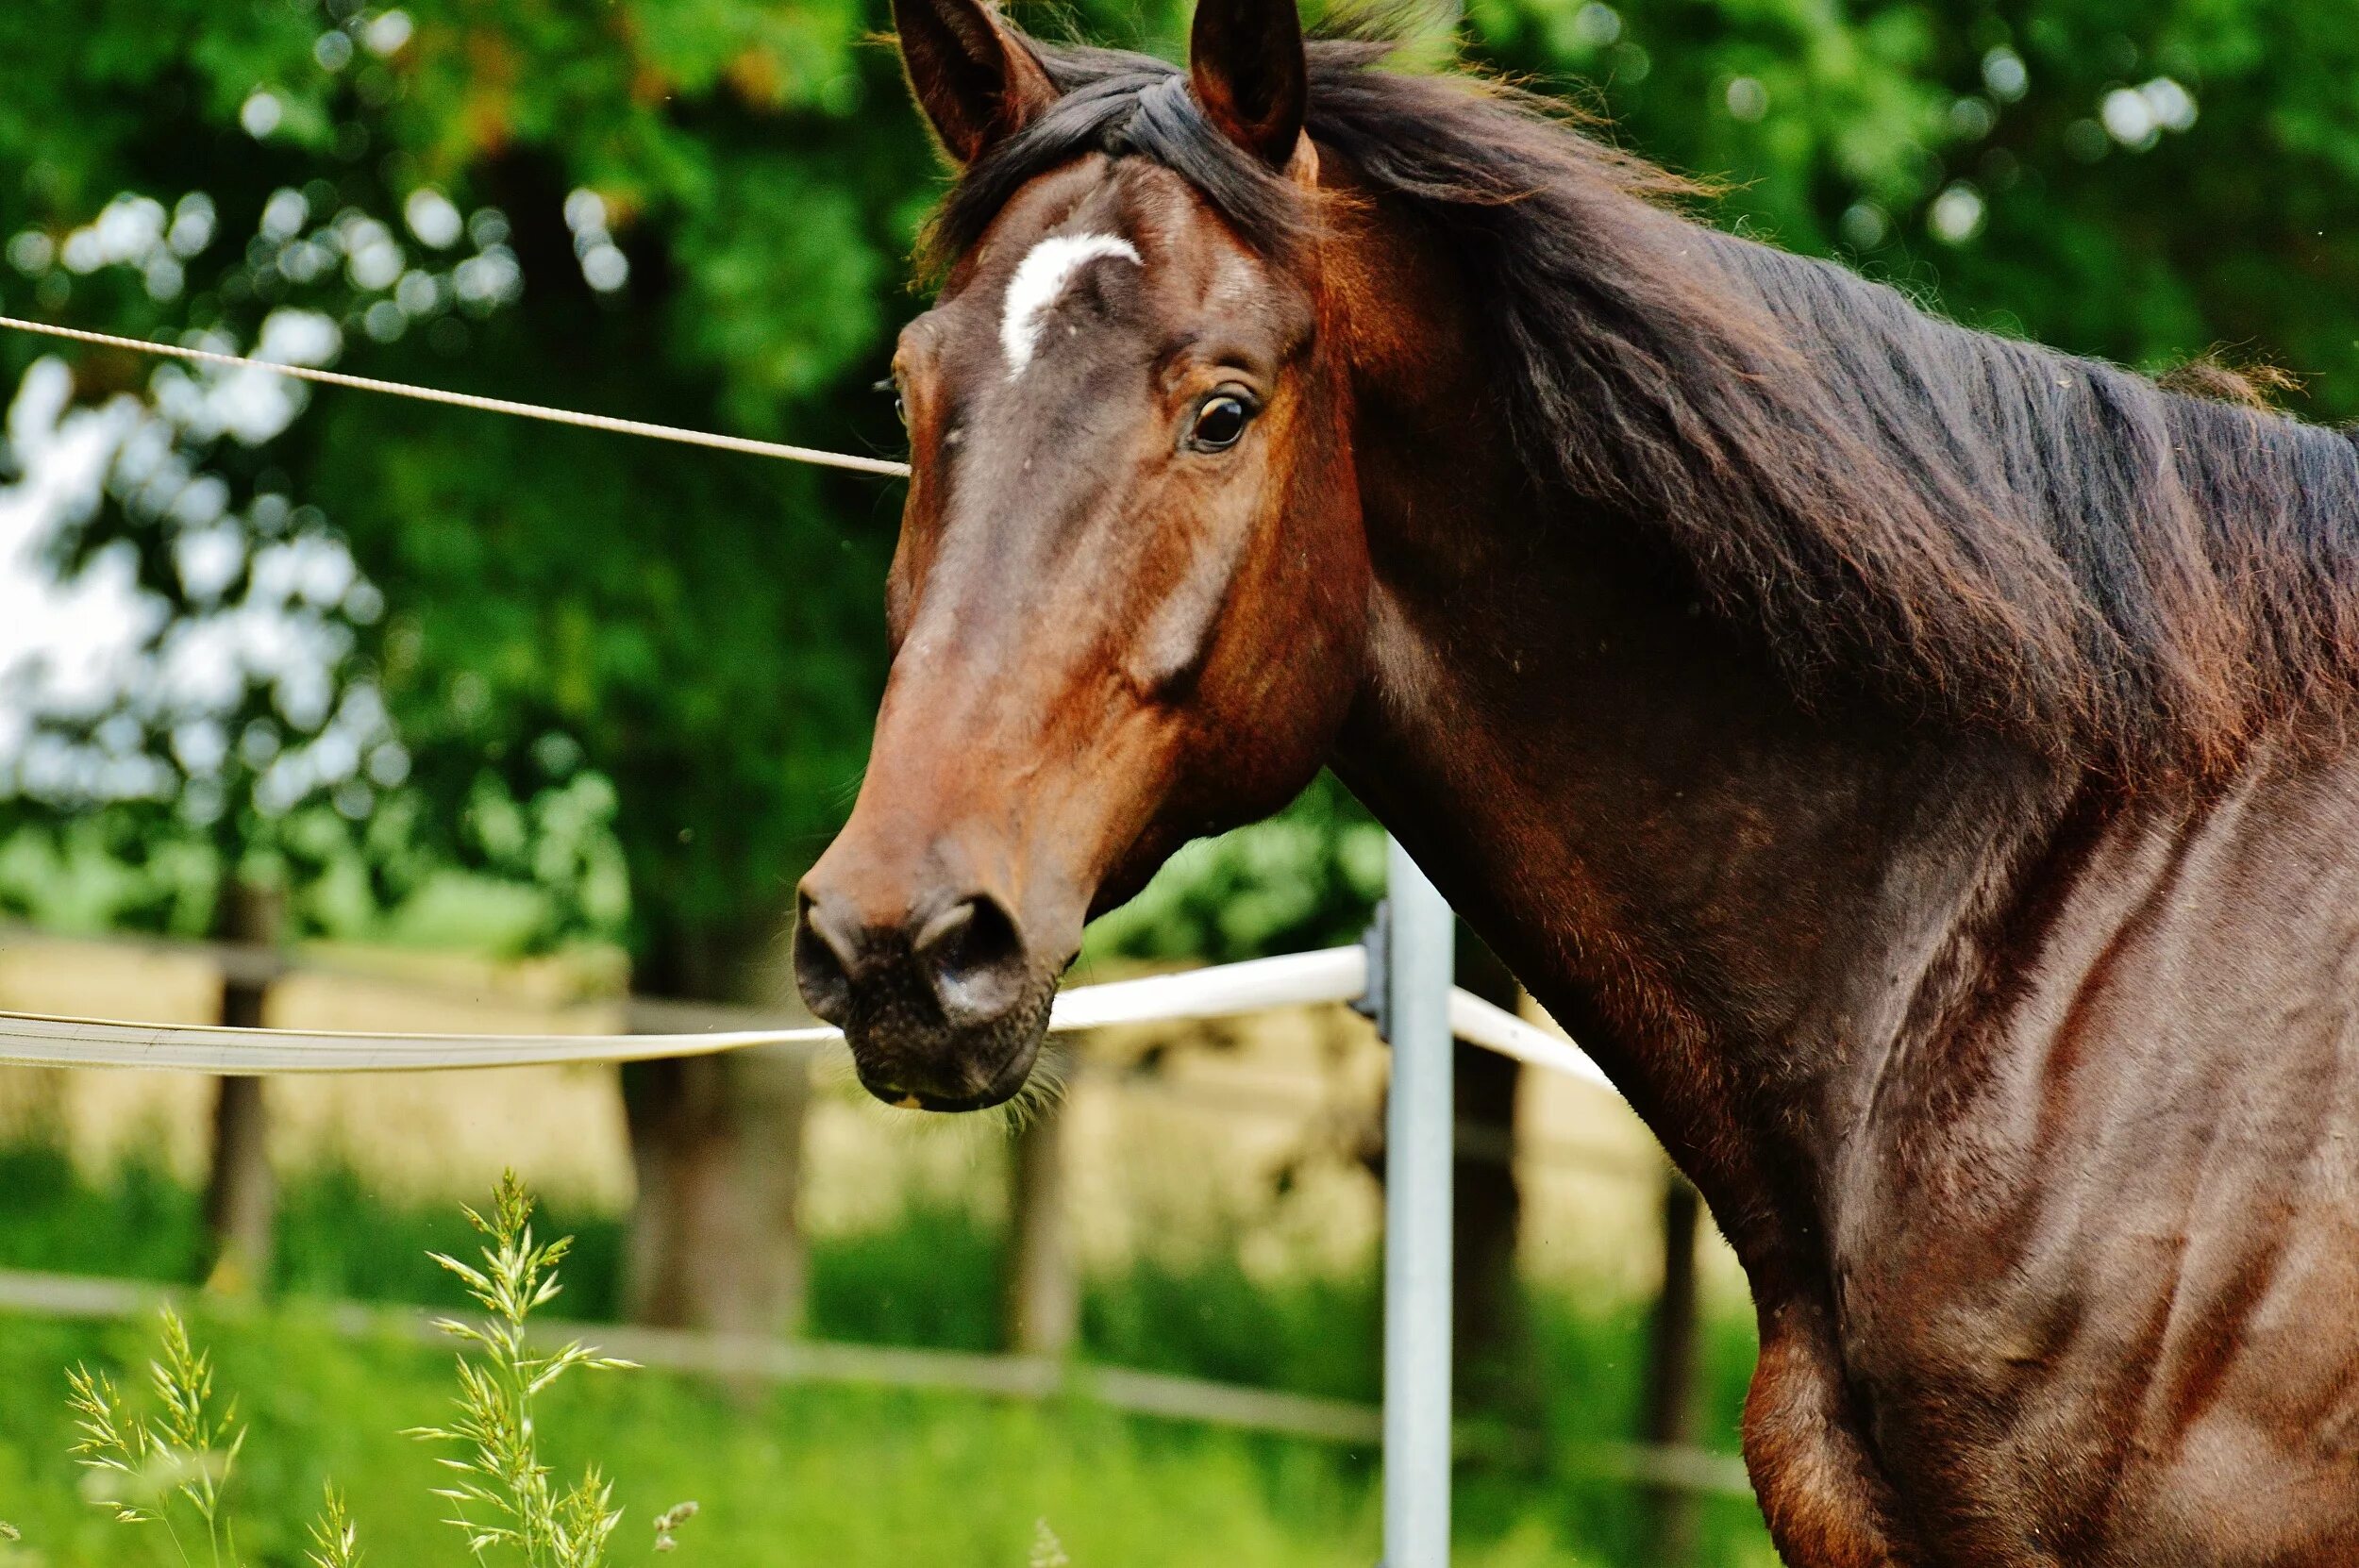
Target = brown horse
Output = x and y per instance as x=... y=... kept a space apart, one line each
x=1912 y=762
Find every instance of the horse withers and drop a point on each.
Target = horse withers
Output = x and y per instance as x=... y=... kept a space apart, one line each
x=1914 y=761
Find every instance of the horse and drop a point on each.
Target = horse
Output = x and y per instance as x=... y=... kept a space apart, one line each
x=1915 y=762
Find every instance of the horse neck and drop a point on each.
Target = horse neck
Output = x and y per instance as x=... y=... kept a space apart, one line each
x=1739 y=901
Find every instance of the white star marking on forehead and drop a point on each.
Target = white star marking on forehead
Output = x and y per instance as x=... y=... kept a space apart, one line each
x=1040 y=277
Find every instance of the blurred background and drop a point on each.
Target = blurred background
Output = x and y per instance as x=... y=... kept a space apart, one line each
x=338 y=711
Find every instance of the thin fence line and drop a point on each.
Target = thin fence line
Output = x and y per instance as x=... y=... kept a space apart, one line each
x=746 y=445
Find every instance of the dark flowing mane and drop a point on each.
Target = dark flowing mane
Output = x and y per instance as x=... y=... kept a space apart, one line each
x=2122 y=576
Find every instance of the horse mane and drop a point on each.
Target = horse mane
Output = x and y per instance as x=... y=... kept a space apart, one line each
x=2122 y=576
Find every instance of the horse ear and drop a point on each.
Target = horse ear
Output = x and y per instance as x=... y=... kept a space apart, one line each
x=977 y=81
x=1247 y=69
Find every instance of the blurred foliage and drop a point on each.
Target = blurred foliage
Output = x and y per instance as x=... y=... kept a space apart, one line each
x=701 y=632
x=2145 y=180
x=1308 y=877
x=711 y=202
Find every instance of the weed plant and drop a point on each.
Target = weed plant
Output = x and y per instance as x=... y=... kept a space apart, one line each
x=169 y=1463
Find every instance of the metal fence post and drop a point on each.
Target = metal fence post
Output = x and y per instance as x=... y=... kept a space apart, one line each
x=1419 y=1128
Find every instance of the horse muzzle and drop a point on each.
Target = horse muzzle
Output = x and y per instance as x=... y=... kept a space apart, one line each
x=940 y=999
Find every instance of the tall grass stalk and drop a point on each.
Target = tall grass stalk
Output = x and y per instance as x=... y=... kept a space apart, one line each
x=150 y=1469
x=335 y=1541
x=505 y=1496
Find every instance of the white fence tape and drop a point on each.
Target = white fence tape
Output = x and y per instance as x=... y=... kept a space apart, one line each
x=1335 y=974
x=30 y=1040
x=1493 y=1028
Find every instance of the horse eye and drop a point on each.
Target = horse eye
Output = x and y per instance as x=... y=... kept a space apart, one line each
x=900 y=408
x=1219 y=424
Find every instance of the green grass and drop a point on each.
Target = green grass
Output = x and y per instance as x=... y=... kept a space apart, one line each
x=815 y=1475
x=808 y=1477
x=825 y=1478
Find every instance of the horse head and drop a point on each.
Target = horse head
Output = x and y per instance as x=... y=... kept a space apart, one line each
x=1127 y=608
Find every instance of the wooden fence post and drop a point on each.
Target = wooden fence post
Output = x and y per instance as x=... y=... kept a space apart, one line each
x=241 y=1195
x=1669 y=1416
x=1041 y=1300
x=1490 y=1340
x=717 y=1241
x=716 y=1142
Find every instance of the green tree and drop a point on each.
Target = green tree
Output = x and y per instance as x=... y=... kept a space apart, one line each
x=709 y=230
x=2149 y=182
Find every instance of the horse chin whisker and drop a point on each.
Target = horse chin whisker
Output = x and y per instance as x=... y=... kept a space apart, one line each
x=1043 y=1090
x=832 y=1067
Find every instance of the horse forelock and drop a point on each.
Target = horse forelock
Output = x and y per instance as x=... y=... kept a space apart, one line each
x=2121 y=577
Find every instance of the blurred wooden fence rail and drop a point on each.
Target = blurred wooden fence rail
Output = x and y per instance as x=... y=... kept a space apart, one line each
x=765 y=1359
x=1040 y=1299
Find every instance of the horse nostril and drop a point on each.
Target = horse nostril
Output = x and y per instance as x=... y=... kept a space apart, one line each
x=822 y=969
x=974 y=955
x=947 y=927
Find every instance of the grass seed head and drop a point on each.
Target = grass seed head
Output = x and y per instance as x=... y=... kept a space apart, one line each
x=1047 y=1551
x=335 y=1541
x=667 y=1524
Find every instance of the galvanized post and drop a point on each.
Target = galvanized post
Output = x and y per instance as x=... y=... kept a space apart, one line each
x=1420 y=1124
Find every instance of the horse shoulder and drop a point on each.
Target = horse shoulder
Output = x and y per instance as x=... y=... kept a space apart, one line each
x=2096 y=1268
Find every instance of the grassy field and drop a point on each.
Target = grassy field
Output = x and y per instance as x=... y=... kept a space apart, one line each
x=816 y=1476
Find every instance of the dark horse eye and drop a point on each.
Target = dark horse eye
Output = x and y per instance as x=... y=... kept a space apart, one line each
x=900 y=408
x=1219 y=424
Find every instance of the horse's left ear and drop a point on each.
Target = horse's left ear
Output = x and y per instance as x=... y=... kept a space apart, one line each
x=1246 y=70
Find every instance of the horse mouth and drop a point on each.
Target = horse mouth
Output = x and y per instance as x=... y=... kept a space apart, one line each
x=928 y=1063
x=984 y=1101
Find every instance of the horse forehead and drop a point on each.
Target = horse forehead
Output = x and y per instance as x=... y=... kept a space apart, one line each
x=1170 y=266
x=1120 y=210
x=1039 y=281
